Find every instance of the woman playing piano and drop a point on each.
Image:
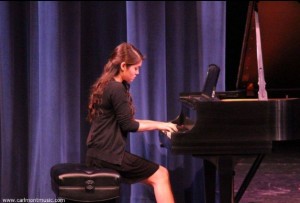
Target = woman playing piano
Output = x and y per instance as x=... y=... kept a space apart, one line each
x=111 y=113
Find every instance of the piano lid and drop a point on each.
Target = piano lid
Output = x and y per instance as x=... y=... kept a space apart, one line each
x=280 y=42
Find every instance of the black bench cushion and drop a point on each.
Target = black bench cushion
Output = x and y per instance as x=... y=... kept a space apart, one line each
x=77 y=182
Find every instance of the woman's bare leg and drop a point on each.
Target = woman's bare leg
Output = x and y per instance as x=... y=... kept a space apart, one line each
x=160 y=182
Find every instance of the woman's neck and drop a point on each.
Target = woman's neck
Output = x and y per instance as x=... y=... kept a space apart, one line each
x=118 y=78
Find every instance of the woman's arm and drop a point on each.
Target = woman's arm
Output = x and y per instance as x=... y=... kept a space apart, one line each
x=147 y=125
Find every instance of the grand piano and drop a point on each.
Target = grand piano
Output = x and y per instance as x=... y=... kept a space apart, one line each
x=264 y=109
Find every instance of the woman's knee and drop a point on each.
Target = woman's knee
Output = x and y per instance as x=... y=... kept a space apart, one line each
x=161 y=175
x=163 y=172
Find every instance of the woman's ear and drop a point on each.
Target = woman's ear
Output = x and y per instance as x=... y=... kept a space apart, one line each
x=123 y=66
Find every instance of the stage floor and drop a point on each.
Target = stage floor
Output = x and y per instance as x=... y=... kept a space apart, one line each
x=276 y=181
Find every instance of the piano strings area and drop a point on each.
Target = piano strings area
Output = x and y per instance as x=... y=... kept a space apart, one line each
x=276 y=181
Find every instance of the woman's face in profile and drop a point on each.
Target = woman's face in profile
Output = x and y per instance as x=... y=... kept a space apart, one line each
x=131 y=71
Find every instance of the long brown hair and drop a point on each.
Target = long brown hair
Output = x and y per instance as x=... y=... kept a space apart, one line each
x=125 y=52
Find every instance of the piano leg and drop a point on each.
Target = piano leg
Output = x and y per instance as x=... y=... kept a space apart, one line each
x=209 y=181
x=225 y=172
x=221 y=167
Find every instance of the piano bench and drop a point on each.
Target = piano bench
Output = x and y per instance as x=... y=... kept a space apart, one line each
x=76 y=182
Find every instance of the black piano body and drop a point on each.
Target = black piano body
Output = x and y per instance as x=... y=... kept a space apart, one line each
x=235 y=126
x=222 y=131
x=239 y=123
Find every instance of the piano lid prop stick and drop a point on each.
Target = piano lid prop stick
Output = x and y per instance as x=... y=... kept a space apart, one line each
x=262 y=93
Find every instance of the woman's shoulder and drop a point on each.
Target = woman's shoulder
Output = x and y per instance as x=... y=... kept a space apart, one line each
x=114 y=86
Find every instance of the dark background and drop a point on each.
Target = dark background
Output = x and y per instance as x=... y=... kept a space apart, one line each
x=236 y=13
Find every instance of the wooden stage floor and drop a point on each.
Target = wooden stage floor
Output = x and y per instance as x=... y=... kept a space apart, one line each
x=277 y=180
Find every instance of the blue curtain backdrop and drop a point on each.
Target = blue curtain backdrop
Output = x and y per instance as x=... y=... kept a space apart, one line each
x=52 y=51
